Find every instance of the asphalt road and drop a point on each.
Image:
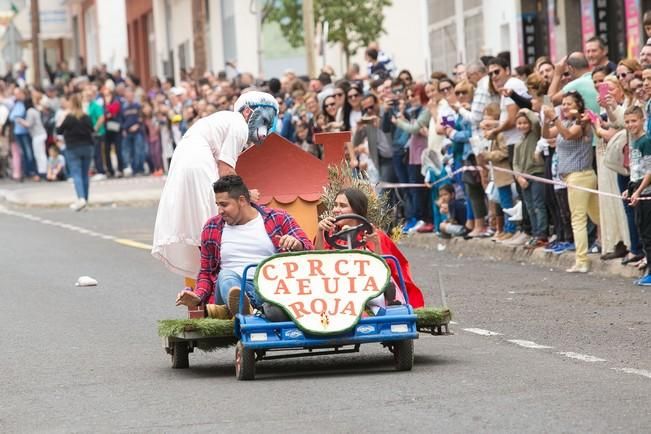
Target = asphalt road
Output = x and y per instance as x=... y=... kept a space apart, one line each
x=534 y=350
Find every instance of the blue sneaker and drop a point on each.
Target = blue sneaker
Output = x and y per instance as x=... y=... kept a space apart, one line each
x=561 y=247
x=645 y=281
x=551 y=246
x=571 y=247
x=408 y=225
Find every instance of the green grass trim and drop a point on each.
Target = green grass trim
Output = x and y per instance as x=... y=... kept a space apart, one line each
x=432 y=316
x=209 y=327
x=203 y=326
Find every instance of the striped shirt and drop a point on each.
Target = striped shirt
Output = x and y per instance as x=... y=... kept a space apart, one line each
x=276 y=222
x=574 y=155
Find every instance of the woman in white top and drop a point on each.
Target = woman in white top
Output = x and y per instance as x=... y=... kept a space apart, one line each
x=34 y=123
x=208 y=150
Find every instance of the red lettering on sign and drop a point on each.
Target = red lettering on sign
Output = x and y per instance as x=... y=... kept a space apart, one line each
x=371 y=285
x=362 y=266
x=315 y=267
x=319 y=305
x=338 y=269
x=351 y=288
x=335 y=308
x=290 y=268
x=326 y=284
x=282 y=286
x=349 y=309
x=299 y=309
x=265 y=272
x=304 y=286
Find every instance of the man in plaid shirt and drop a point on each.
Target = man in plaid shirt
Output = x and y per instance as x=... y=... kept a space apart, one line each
x=242 y=233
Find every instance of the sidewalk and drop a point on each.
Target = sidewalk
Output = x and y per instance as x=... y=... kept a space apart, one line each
x=499 y=252
x=136 y=190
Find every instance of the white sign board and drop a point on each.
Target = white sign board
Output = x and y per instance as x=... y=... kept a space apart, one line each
x=322 y=292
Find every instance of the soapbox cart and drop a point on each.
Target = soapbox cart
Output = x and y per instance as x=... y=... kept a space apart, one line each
x=328 y=298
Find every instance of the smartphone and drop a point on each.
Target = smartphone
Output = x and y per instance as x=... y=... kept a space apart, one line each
x=592 y=116
x=603 y=90
x=447 y=122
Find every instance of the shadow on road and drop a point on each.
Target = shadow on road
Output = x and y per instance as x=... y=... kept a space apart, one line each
x=318 y=367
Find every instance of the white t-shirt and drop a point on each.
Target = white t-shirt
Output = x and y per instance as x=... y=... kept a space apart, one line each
x=226 y=132
x=513 y=135
x=245 y=244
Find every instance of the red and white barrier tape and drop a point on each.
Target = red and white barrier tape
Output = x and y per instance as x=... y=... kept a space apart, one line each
x=512 y=172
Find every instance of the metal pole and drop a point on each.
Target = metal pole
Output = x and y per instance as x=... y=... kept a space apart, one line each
x=36 y=46
x=308 y=31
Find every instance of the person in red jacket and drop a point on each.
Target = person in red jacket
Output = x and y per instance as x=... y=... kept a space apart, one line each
x=355 y=201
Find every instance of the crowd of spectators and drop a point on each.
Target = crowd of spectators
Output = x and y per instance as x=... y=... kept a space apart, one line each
x=493 y=146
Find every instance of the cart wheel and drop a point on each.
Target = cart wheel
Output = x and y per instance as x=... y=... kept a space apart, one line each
x=180 y=359
x=244 y=363
x=403 y=355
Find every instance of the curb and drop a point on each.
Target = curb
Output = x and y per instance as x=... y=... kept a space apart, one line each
x=498 y=252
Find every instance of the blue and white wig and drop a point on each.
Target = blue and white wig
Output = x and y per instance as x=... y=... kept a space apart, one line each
x=264 y=116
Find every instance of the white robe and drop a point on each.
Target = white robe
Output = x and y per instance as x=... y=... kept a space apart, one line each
x=187 y=200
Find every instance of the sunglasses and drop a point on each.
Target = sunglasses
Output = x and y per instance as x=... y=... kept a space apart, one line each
x=494 y=72
x=353 y=95
x=330 y=105
x=623 y=75
x=445 y=89
x=369 y=108
x=339 y=94
x=461 y=93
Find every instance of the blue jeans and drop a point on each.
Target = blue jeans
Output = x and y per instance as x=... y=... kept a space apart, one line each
x=534 y=200
x=28 y=161
x=418 y=198
x=506 y=201
x=400 y=169
x=133 y=151
x=228 y=279
x=636 y=244
x=78 y=163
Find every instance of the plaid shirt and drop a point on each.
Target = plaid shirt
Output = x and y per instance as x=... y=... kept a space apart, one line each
x=276 y=222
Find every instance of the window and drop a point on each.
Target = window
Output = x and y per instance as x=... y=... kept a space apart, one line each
x=443 y=45
x=474 y=30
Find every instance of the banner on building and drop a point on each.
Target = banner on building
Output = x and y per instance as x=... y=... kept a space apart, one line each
x=587 y=20
x=551 y=28
x=529 y=37
x=633 y=25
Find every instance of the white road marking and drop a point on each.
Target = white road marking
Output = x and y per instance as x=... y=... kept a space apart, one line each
x=78 y=229
x=482 y=332
x=582 y=357
x=529 y=344
x=642 y=372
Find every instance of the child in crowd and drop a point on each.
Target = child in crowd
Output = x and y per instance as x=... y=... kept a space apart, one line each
x=152 y=135
x=533 y=192
x=497 y=153
x=304 y=141
x=56 y=165
x=640 y=183
x=435 y=175
x=453 y=212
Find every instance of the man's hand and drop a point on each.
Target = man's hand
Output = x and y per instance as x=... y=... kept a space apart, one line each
x=288 y=242
x=635 y=198
x=187 y=298
x=523 y=182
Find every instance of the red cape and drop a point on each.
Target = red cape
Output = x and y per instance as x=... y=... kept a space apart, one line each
x=388 y=247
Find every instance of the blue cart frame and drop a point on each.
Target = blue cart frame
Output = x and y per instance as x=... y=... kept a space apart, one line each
x=394 y=327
